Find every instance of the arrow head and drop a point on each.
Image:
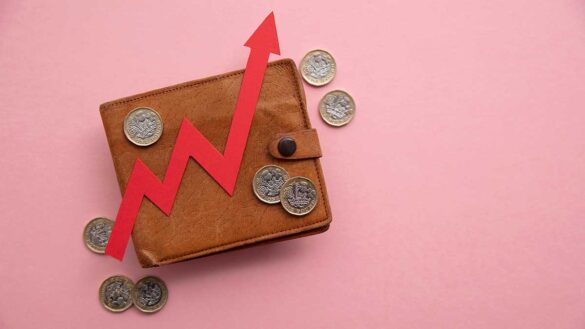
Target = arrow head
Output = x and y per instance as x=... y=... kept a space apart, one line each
x=265 y=37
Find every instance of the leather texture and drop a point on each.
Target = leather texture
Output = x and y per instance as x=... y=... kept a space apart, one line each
x=205 y=219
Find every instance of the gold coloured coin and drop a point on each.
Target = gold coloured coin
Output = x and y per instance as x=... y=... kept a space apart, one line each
x=115 y=293
x=337 y=108
x=267 y=183
x=318 y=67
x=150 y=294
x=97 y=233
x=143 y=126
x=298 y=196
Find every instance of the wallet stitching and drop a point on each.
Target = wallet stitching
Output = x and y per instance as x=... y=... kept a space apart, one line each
x=164 y=260
x=305 y=120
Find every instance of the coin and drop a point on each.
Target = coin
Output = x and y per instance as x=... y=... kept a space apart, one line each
x=267 y=183
x=337 y=108
x=143 y=126
x=318 y=67
x=97 y=233
x=298 y=196
x=115 y=293
x=150 y=294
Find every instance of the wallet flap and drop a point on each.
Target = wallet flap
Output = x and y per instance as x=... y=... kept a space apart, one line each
x=302 y=144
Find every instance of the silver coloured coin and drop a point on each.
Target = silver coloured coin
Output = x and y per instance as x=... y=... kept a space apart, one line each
x=267 y=183
x=337 y=108
x=298 y=196
x=150 y=294
x=97 y=233
x=143 y=126
x=318 y=67
x=115 y=293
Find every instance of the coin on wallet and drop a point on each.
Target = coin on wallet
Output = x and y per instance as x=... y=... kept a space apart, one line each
x=318 y=67
x=298 y=196
x=143 y=126
x=115 y=293
x=97 y=233
x=267 y=183
x=337 y=108
x=150 y=294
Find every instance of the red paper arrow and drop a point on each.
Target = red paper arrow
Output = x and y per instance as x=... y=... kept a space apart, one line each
x=191 y=143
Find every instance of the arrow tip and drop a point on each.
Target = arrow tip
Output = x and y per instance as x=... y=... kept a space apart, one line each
x=265 y=36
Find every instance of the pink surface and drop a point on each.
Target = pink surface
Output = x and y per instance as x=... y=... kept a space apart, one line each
x=457 y=191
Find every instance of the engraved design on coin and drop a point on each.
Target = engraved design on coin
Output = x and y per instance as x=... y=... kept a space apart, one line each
x=97 y=233
x=143 y=126
x=318 y=67
x=337 y=108
x=267 y=183
x=115 y=293
x=298 y=196
x=150 y=294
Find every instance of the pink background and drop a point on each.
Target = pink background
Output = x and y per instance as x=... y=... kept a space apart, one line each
x=457 y=191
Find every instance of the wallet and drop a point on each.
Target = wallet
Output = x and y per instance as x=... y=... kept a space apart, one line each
x=204 y=219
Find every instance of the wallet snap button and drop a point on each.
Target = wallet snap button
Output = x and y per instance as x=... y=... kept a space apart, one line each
x=287 y=146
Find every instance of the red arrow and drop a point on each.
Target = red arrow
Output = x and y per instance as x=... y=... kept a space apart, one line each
x=191 y=143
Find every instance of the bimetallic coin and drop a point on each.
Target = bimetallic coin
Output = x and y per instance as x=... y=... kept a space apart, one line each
x=298 y=196
x=337 y=108
x=97 y=233
x=116 y=293
x=267 y=183
x=143 y=126
x=318 y=67
x=150 y=294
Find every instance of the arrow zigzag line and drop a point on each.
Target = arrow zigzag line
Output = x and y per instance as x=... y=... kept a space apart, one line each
x=191 y=143
x=144 y=183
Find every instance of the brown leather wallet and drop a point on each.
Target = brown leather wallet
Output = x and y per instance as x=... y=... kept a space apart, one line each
x=205 y=219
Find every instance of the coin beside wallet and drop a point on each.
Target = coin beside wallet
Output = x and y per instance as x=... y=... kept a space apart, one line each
x=118 y=293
